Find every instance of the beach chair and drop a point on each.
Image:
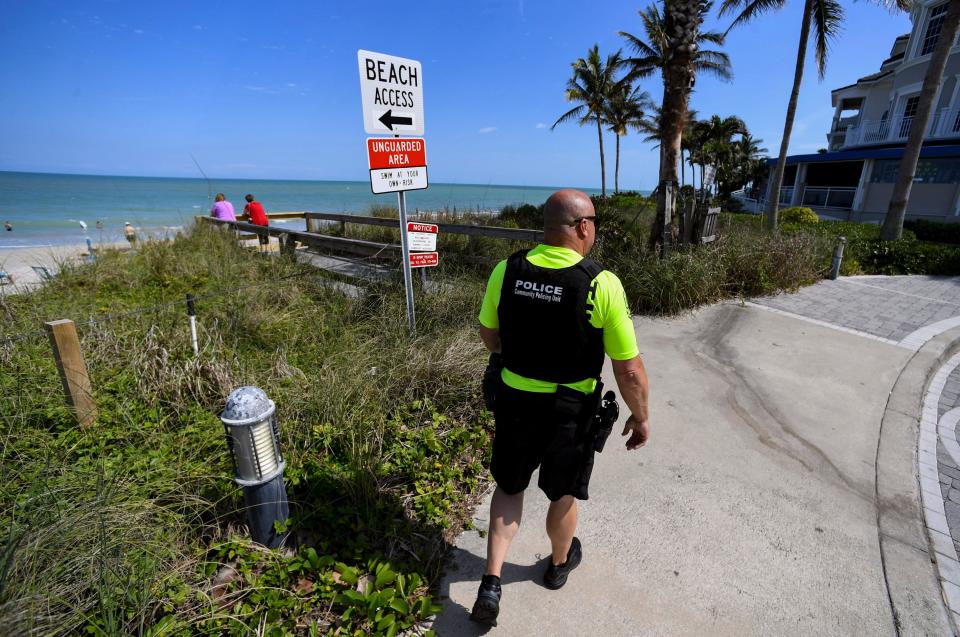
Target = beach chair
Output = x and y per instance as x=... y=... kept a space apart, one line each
x=43 y=271
x=6 y=278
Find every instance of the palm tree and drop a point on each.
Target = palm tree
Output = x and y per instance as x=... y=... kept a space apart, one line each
x=893 y=223
x=625 y=109
x=718 y=136
x=699 y=137
x=749 y=161
x=826 y=16
x=592 y=84
x=673 y=47
x=686 y=139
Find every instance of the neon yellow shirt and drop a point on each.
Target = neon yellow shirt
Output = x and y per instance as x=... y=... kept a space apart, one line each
x=610 y=312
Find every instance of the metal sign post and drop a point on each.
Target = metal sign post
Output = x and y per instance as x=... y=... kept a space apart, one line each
x=391 y=90
x=407 y=274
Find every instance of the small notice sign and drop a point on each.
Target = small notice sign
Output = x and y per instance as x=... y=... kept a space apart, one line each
x=397 y=164
x=424 y=259
x=422 y=236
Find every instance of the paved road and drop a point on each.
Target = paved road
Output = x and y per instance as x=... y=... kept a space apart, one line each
x=754 y=508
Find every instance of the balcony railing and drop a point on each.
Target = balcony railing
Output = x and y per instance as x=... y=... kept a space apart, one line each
x=786 y=195
x=943 y=123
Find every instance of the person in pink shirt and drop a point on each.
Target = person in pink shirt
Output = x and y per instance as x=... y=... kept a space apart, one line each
x=222 y=209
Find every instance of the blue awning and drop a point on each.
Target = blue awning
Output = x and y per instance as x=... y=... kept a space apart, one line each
x=857 y=154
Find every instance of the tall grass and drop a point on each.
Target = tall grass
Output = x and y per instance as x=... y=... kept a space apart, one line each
x=110 y=530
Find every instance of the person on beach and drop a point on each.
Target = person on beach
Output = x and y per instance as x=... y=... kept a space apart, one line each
x=222 y=209
x=130 y=233
x=257 y=216
x=8 y=226
x=99 y=225
x=551 y=314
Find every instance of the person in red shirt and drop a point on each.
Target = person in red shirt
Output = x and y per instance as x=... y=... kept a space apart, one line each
x=254 y=211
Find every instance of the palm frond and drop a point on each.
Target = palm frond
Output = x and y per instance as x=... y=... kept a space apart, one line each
x=827 y=21
x=572 y=113
x=714 y=63
x=751 y=9
x=713 y=37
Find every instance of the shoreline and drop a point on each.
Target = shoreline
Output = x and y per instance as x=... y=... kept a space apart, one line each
x=20 y=262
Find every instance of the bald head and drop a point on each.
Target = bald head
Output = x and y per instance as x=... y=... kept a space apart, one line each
x=563 y=207
x=560 y=215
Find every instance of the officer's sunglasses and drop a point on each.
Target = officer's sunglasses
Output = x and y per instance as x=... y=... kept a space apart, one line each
x=579 y=219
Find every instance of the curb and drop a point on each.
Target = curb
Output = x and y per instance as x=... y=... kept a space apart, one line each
x=907 y=551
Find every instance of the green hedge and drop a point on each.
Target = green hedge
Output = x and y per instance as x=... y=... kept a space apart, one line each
x=934 y=231
x=909 y=257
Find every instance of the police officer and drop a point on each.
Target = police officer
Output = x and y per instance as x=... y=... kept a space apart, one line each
x=552 y=314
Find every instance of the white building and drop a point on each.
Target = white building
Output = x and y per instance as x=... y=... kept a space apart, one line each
x=854 y=178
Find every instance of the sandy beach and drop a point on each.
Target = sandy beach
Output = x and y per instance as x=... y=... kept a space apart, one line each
x=19 y=262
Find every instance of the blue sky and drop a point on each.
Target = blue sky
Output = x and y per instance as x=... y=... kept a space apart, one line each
x=271 y=90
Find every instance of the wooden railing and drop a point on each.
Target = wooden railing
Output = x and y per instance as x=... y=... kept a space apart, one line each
x=313 y=238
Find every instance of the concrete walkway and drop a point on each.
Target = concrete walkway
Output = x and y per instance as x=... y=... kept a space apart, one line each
x=760 y=505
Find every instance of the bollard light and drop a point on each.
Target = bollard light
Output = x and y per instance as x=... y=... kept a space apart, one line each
x=253 y=435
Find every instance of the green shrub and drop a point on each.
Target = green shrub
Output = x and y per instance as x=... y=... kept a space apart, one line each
x=909 y=257
x=730 y=204
x=934 y=231
x=524 y=216
x=622 y=200
x=797 y=214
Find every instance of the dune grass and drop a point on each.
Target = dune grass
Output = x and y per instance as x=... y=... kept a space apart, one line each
x=125 y=527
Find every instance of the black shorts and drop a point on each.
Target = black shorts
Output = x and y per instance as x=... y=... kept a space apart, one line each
x=542 y=430
x=264 y=239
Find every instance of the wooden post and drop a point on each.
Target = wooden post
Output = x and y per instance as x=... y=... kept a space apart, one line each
x=73 y=370
x=313 y=225
x=288 y=244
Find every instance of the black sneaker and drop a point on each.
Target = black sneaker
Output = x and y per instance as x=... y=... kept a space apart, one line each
x=556 y=576
x=487 y=606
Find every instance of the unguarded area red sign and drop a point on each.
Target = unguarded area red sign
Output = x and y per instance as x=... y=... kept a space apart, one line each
x=396 y=153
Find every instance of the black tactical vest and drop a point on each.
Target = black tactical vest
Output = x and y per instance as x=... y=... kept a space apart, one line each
x=545 y=331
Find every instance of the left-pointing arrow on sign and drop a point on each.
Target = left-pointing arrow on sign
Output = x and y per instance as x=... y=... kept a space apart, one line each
x=388 y=119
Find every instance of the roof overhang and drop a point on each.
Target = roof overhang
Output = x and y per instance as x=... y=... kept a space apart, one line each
x=952 y=150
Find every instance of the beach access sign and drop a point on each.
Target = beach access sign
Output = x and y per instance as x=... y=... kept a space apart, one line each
x=392 y=91
x=397 y=164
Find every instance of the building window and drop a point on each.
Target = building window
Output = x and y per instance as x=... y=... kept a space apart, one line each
x=944 y=170
x=910 y=108
x=934 y=25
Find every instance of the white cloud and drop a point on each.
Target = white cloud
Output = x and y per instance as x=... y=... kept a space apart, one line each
x=138 y=31
x=541 y=125
x=291 y=85
x=487 y=129
x=258 y=89
x=197 y=27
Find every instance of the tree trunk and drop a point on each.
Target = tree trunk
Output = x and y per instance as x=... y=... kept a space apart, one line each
x=682 y=19
x=616 y=170
x=693 y=177
x=893 y=222
x=603 y=167
x=773 y=188
x=683 y=170
x=703 y=182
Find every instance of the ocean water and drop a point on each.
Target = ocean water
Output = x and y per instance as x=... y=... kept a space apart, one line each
x=51 y=209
